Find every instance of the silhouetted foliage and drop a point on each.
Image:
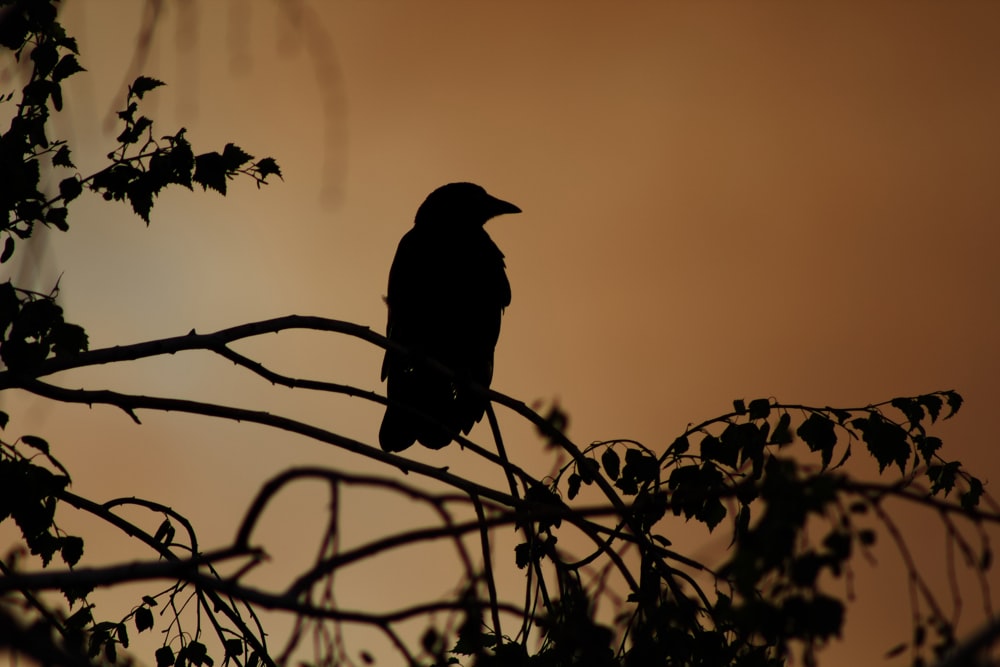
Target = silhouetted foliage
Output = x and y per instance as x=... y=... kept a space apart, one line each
x=771 y=474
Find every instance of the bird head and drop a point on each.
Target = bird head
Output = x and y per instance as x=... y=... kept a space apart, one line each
x=459 y=205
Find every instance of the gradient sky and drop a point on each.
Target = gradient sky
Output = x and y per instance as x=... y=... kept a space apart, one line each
x=721 y=200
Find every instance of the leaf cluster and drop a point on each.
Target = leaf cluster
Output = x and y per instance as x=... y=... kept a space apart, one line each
x=30 y=496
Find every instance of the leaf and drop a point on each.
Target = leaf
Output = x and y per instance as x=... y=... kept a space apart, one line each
x=71 y=549
x=933 y=405
x=143 y=619
x=196 y=652
x=782 y=434
x=67 y=67
x=640 y=466
x=80 y=618
x=70 y=188
x=760 y=408
x=739 y=406
x=234 y=157
x=679 y=445
x=712 y=513
x=132 y=133
x=954 y=400
x=268 y=166
x=68 y=340
x=164 y=656
x=886 y=441
x=611 y=462
x=143 y=85
x=588 y=469
x=943 y=476
x=57 y=100
x=62 y=159
x=234 y=647
x=121 y=632
x=911 y=408
x=210 y=172
x=927 y=446
x=111 y=652
x=4 y=419
x=56 y=216
x=573 y=486
x=13 y=29
x=970 y=499
x=8 y=249
x=35 y=442
x=818 y=433
x=522 y=555
x=140 y=196
x=45 y=56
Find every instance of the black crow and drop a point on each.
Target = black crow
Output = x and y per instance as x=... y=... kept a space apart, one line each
x=447 y=291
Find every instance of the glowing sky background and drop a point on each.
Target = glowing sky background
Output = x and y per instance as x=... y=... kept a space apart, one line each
x=721 y=200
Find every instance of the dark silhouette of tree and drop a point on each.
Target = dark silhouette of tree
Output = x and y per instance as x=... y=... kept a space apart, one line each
x=769 y=474
x=447 y=291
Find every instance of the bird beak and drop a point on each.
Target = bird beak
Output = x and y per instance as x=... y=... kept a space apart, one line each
x=500 y=207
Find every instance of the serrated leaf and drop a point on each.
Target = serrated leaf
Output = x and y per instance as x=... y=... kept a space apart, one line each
x=712 y=513
x=234 y=157
x=933 y=405
x=928 y=446
x=268 y=166
x=210 y=172
x=818 y=433
x=886 y=441
x=140 y=196
x=71 y=549
x=954 y=400
x=62 y=159
x=143 y=85
x=943 y=476
x=67 y=67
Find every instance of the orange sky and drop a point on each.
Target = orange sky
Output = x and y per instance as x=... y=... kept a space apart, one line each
x=721 y=200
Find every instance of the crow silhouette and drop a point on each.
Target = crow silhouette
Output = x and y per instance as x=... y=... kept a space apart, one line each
x=447 y=290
